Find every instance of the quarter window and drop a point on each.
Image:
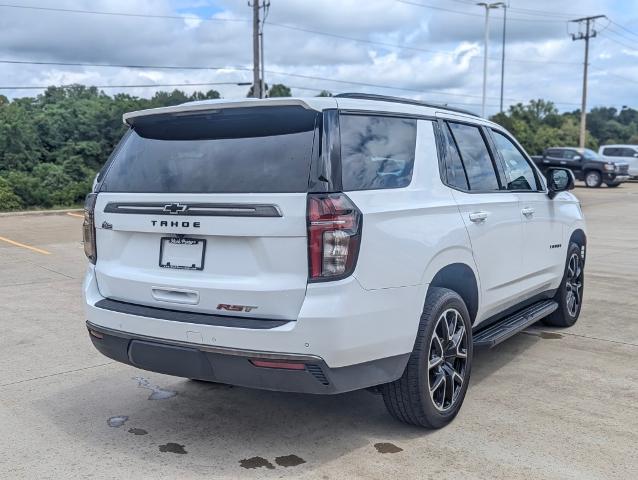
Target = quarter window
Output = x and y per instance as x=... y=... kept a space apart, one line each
x=475 y=156
x=518 y=172
x=377 y=152
x=455 y=173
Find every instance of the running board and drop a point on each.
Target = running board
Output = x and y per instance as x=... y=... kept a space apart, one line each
x=509 y=326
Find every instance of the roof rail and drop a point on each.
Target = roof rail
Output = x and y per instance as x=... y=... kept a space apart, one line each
x=386 y=98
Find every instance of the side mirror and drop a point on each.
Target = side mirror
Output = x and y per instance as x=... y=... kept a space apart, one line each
x=577 y=157
x=559 y=180
x=636 y=154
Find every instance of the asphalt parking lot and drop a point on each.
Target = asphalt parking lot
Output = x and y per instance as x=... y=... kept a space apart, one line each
x=545 y=404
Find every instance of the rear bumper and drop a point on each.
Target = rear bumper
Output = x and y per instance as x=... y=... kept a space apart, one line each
x=339 y=322
x=234 y=367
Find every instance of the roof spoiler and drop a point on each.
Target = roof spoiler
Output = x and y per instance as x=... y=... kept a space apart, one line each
x=212 y=105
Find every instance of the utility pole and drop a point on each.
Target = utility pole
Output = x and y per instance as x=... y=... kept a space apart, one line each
x=586 y=35
x=266 y=7
x=257 y=90
x=503 y=55
x=488 y=7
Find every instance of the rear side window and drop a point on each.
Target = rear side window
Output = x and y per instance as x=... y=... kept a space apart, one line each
x=475 y=156
x=554 y=153
x=236 y=150
x=377 y=152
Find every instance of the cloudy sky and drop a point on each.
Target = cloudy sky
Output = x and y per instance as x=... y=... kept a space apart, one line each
x=426 y=49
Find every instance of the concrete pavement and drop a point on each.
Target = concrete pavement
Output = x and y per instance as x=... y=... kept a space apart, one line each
x=545 y=404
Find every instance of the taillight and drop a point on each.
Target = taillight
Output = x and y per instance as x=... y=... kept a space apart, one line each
x=334 y=235
x=88 y=228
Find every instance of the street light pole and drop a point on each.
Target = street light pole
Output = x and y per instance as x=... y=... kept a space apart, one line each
x=503 y=55
x=488 y=7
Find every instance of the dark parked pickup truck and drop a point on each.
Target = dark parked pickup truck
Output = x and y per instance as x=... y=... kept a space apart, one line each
x=586 y=164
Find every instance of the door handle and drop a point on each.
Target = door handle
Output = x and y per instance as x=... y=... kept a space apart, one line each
x=478 y=217
x=528 y=211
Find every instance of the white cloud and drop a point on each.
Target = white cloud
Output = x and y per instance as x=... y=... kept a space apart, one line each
x=444 y=62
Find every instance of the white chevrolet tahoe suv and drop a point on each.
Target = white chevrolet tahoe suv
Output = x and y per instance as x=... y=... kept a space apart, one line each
x=323 y=245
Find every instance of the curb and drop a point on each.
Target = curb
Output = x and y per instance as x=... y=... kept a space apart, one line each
x=40 y=212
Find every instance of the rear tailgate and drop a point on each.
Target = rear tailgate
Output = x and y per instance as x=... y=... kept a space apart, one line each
x=207 y=213
x=257 y=263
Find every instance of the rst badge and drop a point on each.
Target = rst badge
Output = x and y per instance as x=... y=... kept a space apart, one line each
x=236 y=308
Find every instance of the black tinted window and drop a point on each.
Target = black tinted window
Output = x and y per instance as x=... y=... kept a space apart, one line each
x=519 y=173
x=376 y=152
x=554 y=153
x=476 y=158
x=453 y=165
x=240 y=150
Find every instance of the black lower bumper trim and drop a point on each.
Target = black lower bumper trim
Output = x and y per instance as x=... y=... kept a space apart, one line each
x=188 y=317
x=196 y=362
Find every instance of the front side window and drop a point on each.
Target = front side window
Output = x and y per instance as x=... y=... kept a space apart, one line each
x=479 y=168
x=518 y=172
x=377 y=152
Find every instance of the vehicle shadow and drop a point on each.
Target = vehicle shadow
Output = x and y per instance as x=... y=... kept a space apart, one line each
x=219 y=426
x=488 y=362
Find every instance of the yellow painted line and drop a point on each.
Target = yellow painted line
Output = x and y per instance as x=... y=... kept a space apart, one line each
x=28 y=247
x=75 y=215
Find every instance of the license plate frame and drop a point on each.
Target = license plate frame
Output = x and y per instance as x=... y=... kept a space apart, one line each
x=171 y=244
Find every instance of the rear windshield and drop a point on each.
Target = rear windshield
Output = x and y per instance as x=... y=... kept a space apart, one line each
x=237 y=150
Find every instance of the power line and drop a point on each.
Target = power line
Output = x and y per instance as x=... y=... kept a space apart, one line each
x=443 y=9
x=278 y=25
x=403 y=46
x=148 y=85
x=624 y=28
x=272 y=72
x=527 y=11
x=296 y=87
x=630 y=47
x=620 y=77
x=612 y=29
x=123 y=14
x=246 y=69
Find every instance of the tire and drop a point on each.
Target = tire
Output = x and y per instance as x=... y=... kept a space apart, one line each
x=570 y=292
x=409 y=399
x=612 y=185
x=593 y=179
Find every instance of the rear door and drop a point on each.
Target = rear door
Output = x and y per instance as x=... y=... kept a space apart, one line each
x=492 y=218
x=206 y=212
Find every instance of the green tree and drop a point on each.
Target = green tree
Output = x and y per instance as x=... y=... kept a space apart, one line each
x=8 y=199
x=279 y=90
